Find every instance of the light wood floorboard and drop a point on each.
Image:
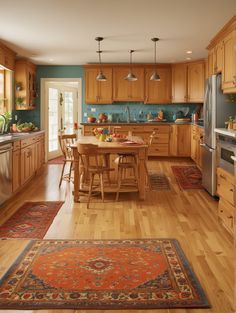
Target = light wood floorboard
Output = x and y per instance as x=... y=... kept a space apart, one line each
x=189 y=216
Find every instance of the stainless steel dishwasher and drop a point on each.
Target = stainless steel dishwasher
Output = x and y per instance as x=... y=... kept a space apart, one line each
x=5 y=172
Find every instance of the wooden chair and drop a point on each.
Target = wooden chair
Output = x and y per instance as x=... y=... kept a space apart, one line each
x=65 y=140
x=91 y=166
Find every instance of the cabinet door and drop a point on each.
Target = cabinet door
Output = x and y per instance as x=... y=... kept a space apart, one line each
x=158 y=91
x=173 y=146
x=16 y=168
x=124 y=90
x=98 y=92
x=194 y=143
x=179 y=83
x=184 y=140
x=218 y=58
x=195 y=82
x=229 y=64
x=91 y=85
x=211 y=62
x=26 y=164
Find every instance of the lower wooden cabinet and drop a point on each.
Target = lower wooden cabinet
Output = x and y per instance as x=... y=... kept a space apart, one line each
x=28 y=158
x=226 y=192
x=180 y=140
x=197 y=134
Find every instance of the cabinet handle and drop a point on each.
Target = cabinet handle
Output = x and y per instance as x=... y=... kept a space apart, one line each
x=231 y=190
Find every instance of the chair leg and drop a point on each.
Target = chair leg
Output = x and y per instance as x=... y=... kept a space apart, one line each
x=136 y=174
x=71 y=164
x=102 y=186
x=62 y=173
x=90 y=188
x=146 y=170
x=119 y=182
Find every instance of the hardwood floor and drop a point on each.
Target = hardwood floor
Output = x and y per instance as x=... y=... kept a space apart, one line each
x=189 y=216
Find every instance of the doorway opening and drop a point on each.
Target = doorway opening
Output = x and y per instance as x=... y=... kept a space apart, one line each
x=61 y=111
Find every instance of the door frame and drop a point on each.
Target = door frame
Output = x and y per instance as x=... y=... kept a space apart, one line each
x=44 y=106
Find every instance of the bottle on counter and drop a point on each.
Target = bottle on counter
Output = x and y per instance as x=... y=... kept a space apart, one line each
x=230 y=124
x=234 y=123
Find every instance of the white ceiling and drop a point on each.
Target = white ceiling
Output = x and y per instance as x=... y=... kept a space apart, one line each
x=62 y=32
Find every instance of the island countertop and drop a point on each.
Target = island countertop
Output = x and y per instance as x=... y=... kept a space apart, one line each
x=199 y=124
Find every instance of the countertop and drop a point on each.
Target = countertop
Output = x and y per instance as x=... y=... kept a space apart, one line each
x=199 y=124
x=11 y=137
x=227 y=132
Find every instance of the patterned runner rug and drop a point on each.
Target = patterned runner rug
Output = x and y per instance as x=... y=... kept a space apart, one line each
x=188 y=177
x=158 y=181
x=31 y=220
x=58 y=160
x=108 y=274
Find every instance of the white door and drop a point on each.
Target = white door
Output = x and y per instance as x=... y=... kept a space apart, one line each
x=62 y=114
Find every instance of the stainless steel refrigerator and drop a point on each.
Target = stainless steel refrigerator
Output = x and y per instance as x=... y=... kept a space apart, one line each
x=216 y=111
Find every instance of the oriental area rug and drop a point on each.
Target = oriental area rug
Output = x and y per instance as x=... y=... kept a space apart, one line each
x=31 y=220
x=188 y=177
x=108 y=274
x=58 y=160
x=158 y=181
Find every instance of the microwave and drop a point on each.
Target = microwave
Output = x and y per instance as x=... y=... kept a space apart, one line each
x=227 y=153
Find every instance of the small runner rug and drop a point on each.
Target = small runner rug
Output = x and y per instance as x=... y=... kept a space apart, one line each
x=58 y=160
x=109 y=274
x=188 y=177
x=31 y=220
x=158 y=181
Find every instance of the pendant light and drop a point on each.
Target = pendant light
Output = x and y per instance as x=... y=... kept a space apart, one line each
x=155 y=76
x=131 y=77
x=101 y=77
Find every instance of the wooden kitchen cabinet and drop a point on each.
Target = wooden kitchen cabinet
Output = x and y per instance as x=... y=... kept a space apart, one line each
x=196 y=78
x=229 y=64
x=158 y=91
x=197 y=134
x=226 y=192
x=188 y=82
x=25 y=85
x=180 y=140
x=179 y=83
x=124 y=90
x=7 y=57
x=98 y=92
x=16 y=166
x=27 y=164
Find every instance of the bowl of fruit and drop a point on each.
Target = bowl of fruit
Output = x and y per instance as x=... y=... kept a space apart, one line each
x=119 y=137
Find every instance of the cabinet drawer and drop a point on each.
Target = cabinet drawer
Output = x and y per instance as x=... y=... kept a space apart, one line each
x=159 y=129
x=160 y=138
x=225 y=186
x=159 y=150
x=226 y=214
x=16 y=145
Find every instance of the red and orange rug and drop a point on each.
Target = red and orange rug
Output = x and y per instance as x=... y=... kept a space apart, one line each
x=111 y=274
x=188 y=177
x=58 y=160
x=31 y=220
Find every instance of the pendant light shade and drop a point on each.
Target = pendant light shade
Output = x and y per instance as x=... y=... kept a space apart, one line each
x=155 y=76
x=101 y=77
x=131 y=77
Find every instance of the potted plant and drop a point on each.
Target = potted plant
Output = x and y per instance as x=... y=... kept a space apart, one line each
x=19 y=101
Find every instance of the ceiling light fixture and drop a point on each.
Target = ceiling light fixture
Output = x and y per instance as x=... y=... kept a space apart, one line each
x=101 y=77
x=131 y=77
x=155 y=76
x=189 y=52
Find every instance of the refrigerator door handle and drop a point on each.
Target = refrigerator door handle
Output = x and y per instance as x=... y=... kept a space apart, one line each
x=233 y=158
x=206 y=147
x=202 y=144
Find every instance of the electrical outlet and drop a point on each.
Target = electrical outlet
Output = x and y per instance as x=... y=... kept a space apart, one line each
x=85 y=114
x=93 y=109
x=15 y=117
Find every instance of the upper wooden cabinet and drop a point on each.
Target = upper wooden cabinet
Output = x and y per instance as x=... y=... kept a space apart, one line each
x=158 y=91
x=25 y=85
x=196 y=78
x=188 y=82
x=7 y=57
x=98 y=92
x=222 y=56
x=124 y=90
x=229 y=63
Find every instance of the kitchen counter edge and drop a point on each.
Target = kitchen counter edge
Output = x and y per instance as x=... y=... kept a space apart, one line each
x=140 y=124
x=17 y=138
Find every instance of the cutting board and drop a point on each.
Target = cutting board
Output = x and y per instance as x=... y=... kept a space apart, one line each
x=182 y=120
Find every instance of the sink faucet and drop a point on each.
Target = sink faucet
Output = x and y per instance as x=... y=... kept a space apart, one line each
x=127 y=110
x=4 y=124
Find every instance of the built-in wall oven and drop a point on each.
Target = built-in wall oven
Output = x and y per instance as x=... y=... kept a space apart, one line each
x=226 y=153
x=5 y=172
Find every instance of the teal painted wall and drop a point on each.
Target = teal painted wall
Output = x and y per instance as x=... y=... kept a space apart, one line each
x=138 y=110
